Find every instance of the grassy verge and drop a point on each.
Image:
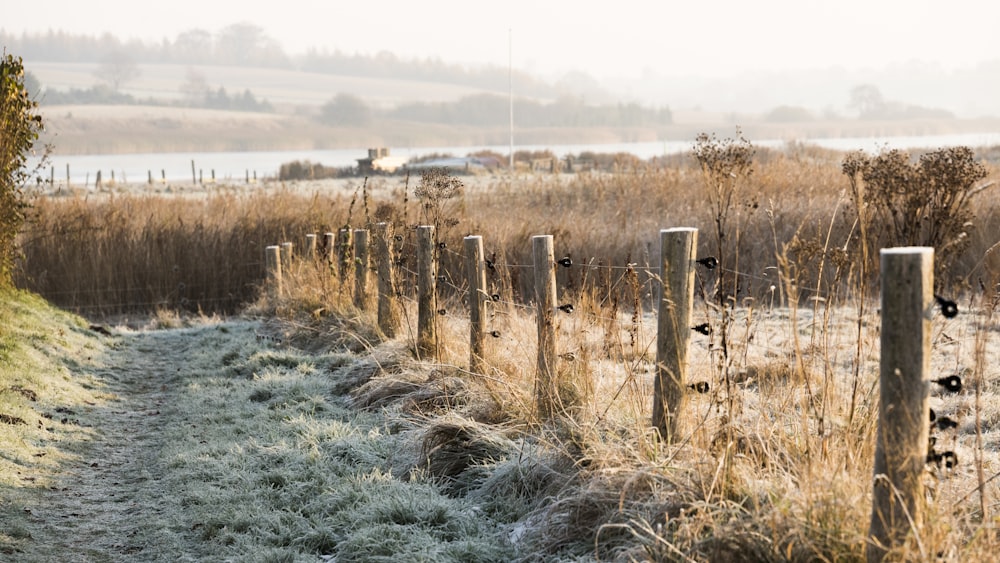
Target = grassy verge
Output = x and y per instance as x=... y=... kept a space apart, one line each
x=45 y=355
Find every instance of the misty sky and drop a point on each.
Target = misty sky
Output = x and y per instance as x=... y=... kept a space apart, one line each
x=622 y=38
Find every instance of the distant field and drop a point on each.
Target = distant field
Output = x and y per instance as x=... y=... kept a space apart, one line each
x=297 y=96
x=280 y=87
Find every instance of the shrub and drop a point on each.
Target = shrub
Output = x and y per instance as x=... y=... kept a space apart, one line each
x=922 y=203
x=20 y=126
x=306 y=170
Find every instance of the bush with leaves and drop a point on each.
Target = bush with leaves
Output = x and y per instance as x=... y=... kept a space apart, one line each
x=19 y=127
x=928 y=202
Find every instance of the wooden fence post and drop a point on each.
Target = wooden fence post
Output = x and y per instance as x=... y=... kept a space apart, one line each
x=272 y=256
x=344 y=253
x=678 y=251
x=388 y=315
x=903 y=420
x=426 y=295
x=546 y=380
x=329 y=240
x=310 y=252
x=361 y=267
x=475 y=267
x=286 y=257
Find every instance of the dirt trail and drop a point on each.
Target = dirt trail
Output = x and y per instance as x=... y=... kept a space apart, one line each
x=105 y=504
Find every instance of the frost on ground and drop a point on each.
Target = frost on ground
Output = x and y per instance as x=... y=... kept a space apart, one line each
x=209 y=444
x=217 y=443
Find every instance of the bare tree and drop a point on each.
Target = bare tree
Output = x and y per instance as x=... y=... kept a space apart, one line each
x=195 y=86
x=193 y=46
x=867 y=100
x=117 y=69
x=245 y=44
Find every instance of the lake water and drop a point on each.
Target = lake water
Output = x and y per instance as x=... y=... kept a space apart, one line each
x=234 y=166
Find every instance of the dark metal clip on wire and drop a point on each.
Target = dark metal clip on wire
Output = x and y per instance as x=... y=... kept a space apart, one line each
x=709 y=262
x=948 y=307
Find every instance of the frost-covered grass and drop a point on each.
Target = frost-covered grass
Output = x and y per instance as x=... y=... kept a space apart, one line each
x=206 y=443
x=44 y=356
x=265 y=459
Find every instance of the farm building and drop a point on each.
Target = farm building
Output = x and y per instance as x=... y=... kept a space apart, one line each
x=379 y=160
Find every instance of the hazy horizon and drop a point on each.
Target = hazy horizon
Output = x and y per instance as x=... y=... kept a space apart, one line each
x=629 y=39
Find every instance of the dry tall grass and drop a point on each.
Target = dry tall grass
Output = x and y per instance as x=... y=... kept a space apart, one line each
x=776 y=457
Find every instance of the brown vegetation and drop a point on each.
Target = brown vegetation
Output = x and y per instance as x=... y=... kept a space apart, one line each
x=777 y=462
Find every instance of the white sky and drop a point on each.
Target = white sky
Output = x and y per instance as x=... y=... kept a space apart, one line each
x=604 y=39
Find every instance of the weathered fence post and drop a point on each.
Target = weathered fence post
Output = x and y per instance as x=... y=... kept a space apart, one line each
x=344 y=253
x=272 y=256
x=194 y=177
x=388 y=316
x=547 y=399
x=903 y=420
x=329 y=240
x=310 y=252
x=286 y=257
x=361 y=267
x=678 y=251
x=475 y=267
x=426 y=295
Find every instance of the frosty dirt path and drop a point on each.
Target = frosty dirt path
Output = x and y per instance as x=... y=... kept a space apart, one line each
x=107 y=502
x=210 y=443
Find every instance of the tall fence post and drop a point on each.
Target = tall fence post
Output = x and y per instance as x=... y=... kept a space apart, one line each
x=678 y=251
x=286 y=257
x=343 y=253
x=388 y=314
x=546 y=380
x=903 y=420
x=329 y=241
x=426 y=298
x=475 y=267
x=272 y=260
x=310 y=252
x=361 y=267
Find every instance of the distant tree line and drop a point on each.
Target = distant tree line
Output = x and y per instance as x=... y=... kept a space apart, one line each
x=868 y=101
x=245 y=44
x=491 y=110
x=105 y=95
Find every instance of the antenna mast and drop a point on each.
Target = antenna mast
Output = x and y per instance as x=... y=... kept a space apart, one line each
x=510 y=92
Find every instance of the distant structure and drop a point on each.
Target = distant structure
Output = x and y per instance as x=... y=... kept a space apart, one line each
x=379 y=161
x=456 y=165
